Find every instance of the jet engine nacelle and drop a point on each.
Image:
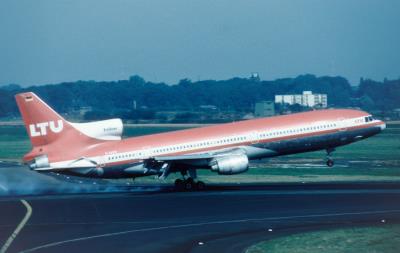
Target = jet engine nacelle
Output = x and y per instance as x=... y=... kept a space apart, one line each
x=103 y=130
x=40 y=162
x=230 y=165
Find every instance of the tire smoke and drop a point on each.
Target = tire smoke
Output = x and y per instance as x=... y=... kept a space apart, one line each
x=18 y=180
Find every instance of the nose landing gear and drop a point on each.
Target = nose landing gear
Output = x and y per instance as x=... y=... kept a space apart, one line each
x=329 y=160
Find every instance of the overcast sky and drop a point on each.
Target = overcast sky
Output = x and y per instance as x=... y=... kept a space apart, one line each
x=49 y=41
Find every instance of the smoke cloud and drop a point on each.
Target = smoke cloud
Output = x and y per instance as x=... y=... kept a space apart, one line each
x=19 y=180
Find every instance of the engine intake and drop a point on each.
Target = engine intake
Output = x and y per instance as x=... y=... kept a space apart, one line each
x=230 y=165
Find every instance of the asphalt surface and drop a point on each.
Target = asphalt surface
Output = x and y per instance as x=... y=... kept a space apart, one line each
x=225 y=218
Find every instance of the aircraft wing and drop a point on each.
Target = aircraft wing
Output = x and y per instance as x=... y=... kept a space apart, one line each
x=201 y=156
x=224 y=161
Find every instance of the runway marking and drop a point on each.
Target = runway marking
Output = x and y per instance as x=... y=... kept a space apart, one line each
x=19 y=227
x=48 y=245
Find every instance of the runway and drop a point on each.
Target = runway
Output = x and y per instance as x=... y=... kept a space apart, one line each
x=225 y=218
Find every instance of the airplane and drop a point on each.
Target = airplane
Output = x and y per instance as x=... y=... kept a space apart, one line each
x=96 y=149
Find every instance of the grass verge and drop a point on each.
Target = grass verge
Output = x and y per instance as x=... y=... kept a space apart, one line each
x=384 y=239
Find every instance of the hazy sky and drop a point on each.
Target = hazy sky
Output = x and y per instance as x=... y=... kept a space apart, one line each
x=50 y=41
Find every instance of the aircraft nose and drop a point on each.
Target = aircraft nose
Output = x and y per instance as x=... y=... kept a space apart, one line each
x=382 y=125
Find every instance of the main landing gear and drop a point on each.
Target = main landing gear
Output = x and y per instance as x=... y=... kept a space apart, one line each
x=189 y=184
x=329 y=160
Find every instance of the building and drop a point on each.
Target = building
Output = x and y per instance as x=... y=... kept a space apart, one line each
x=306 y=99
x=208 y=107
x=264 y=109
x=255 y=76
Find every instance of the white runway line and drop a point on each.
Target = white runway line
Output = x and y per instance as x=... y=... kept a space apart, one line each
x=202 y=224
x=19 y=227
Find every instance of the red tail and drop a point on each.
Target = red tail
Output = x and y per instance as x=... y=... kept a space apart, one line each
x=50 y=134
x=43 y=125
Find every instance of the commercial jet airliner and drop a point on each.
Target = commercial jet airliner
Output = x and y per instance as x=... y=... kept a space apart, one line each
x=95 y=149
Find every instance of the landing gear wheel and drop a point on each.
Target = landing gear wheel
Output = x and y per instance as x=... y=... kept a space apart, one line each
x=189 y=184
x=330 y=163
x=200 y=186
x=179 y=184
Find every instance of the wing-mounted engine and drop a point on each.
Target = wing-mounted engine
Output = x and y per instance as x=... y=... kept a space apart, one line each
x=229 y=165
x=103 y=130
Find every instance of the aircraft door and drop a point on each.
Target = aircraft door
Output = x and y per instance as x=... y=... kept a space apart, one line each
x=254 y=137
x=146 y=152
x=342 y=124
x=102 y=161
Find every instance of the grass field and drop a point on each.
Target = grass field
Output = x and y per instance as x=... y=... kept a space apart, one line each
x=385 y=238
x=373 y=159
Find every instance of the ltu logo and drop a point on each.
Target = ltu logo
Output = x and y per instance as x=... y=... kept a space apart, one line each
x=40 y=129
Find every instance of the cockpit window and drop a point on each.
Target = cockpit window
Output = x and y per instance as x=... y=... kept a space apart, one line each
x=369 y=119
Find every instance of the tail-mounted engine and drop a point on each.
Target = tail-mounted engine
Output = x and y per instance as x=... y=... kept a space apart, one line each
x=40 y=162
x=103 y=130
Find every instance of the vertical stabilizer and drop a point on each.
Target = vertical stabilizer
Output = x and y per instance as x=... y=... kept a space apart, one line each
x=52 y=137
x=43 y=124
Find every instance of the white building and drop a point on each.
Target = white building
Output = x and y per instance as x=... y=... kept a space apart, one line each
x=305 y=99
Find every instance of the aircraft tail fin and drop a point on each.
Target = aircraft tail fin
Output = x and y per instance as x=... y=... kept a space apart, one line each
x=42 y=123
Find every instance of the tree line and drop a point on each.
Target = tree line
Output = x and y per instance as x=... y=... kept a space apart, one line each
x=236 y=94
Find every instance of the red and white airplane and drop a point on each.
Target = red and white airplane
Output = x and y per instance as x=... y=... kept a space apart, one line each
x=96 y=149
